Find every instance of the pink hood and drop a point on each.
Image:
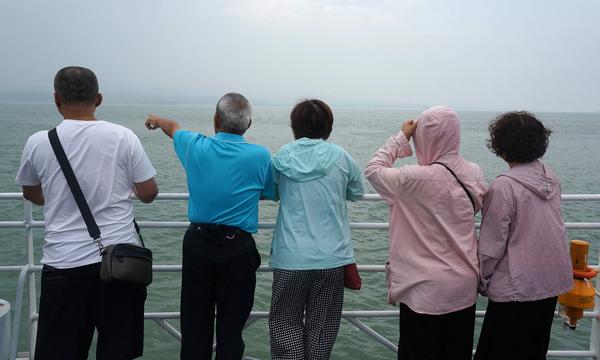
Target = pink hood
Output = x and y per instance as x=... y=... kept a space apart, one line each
x=537 y=178
x=437 y=135
x=437 y=139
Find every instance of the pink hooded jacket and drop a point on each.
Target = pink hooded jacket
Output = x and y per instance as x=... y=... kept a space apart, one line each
x=433 y=266
x=523 y=249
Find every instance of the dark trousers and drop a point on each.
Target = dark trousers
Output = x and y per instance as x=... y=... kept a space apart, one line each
x=436 y=337
x=219 y=268
x=74 y=301
x=516 y=330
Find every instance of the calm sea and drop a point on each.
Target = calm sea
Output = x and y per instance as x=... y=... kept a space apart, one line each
x=573 y=153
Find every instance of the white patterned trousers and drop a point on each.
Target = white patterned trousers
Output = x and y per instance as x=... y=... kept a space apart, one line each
x=306 y=307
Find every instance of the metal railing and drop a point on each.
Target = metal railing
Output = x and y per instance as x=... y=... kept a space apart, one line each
x=27 y=273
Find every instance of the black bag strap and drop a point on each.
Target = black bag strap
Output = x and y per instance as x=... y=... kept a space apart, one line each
x=139 y=233
x=82 y=204
x=460 y=182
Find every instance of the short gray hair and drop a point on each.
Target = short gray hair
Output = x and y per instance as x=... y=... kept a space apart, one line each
x=235 y=112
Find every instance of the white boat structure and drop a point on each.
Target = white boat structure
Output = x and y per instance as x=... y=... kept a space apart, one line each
x=27 y=278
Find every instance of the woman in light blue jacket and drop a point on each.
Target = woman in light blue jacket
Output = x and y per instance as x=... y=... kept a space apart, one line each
x=312 y=242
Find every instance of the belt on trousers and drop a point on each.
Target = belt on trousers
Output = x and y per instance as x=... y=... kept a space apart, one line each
x=221 y=230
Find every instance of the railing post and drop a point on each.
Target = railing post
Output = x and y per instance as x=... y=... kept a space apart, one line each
x=595 y=333
x=32 y=293
x=5 y=329
x=18 y=306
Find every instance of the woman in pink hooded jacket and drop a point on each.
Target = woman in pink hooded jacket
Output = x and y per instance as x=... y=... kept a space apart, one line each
x=523 y=253
x=433 y=268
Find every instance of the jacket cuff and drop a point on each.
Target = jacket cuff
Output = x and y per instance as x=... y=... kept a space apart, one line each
x=401 y=145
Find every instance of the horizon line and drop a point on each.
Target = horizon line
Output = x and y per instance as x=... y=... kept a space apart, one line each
x=340 y=104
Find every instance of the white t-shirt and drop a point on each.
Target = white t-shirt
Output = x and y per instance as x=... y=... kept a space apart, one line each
x=107 y=160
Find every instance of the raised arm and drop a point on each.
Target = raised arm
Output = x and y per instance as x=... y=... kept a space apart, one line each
x=168 y=126
x=380 y=171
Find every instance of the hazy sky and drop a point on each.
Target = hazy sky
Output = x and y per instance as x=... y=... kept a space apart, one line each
x=509 y=54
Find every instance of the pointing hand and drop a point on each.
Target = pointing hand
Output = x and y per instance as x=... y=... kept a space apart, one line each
x=152 y=122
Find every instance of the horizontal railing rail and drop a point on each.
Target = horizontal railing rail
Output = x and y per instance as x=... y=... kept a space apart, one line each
x=162 y=318
x=365 y=197
x=271 y=225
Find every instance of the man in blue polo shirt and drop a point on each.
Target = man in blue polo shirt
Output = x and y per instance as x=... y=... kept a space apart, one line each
x=226 y=178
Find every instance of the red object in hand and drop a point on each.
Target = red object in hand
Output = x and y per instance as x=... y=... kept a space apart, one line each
x=352 y=278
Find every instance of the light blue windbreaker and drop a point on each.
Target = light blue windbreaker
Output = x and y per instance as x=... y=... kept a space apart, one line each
x=313 y=179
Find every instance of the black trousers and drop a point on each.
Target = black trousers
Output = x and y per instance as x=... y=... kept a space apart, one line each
x=74 y=301
x=436 y=337
x=516 y=330
x=219 y=269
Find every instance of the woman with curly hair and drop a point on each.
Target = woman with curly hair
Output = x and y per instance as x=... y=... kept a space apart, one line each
x=523 y=256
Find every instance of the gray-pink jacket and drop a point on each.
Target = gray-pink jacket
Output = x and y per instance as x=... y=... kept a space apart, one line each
x=523 y=250
x=433 y=246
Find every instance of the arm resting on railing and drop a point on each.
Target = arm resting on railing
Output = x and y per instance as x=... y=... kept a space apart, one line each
x=34 y=194
x=146 y=191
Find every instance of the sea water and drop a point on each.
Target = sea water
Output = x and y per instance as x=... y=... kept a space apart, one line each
x=573 y=154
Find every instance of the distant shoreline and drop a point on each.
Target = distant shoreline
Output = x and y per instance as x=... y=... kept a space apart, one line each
x=341 y=106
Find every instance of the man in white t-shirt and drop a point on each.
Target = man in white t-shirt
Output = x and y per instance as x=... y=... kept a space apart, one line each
x=110 y=164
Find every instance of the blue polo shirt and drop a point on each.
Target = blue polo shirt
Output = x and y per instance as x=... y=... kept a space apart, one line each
x=226 y=178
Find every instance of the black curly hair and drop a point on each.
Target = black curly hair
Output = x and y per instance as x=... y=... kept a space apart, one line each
x=518 y=136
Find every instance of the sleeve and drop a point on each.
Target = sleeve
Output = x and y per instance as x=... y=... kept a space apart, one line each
x=27 y=175
x=269 y=191
x=276 y=176
x=141 y=166
x=355 y=189
x=380 y=172
x=498 y=211
x=487 y=265
x=480 y=188
x=181 y=142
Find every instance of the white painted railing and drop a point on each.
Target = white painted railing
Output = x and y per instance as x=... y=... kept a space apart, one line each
x=27 y=272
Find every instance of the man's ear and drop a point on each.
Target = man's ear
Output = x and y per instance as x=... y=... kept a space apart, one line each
x=249 y=124
x=98 y=100
x=217 y=122
x=57 y=100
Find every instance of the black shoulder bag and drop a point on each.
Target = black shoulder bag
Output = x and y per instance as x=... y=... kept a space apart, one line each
x=460 y=182
x=120 y=262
